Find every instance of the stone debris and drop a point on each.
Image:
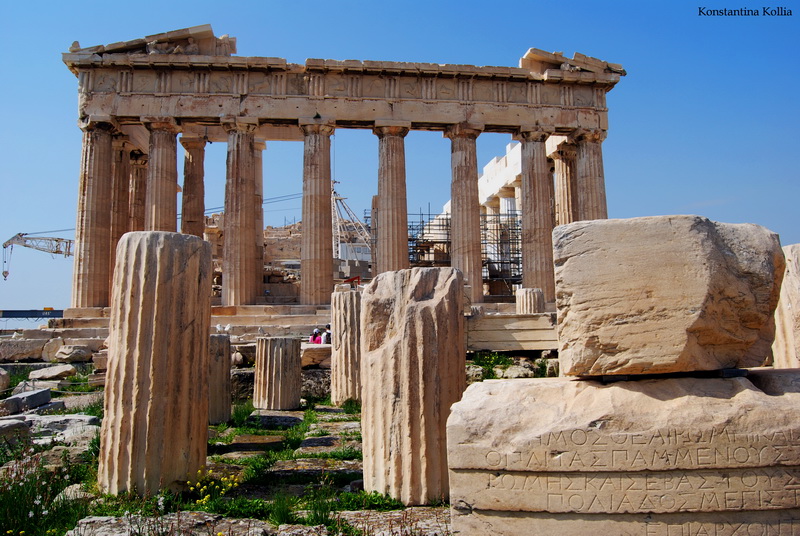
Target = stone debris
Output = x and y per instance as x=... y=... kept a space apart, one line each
x=185 y=523
x=69 y=353
x=664 y=294
x=346 y=346
x=25 y=401
x=58 y=372
x=412 y=367
x=786 y=348
x=5 y=380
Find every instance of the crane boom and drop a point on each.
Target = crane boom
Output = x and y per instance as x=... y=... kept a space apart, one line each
x=48 y=244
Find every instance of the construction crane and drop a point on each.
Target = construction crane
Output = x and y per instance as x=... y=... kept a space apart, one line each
x=54 y=246
x=345 y=222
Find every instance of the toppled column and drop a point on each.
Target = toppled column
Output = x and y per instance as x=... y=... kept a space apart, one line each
x=277 y=379
x=412 y=369
x=219 y=379
x=530 y=301
x=786 y=348
x=155 y=428
x=345 y=345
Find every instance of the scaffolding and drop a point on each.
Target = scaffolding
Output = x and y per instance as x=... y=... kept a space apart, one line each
x=501 y=243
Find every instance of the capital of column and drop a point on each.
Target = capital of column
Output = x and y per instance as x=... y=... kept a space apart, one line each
x=534 y=133
x=192 y=143
x=564 y=151
x=382 y=131
x=165 y=124
x=595 y=135
x=94 y=122
x=463 y=130
x=139 y=159
x=316 y=127
x=239 y=124
x=118 y=141
x=260 y=145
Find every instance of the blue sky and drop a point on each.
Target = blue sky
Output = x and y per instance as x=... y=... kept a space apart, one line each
x=704 y=123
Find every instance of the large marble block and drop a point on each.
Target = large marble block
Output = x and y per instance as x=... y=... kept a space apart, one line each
x=412 y=370
x=155 y=430
x=649 y=457
x=664 y=294
x=786 y=348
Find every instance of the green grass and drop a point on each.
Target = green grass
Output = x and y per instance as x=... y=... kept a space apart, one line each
x=488 y=362
x=241 y=413
x=352 y=407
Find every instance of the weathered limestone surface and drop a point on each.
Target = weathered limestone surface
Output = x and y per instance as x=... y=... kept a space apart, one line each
x=346 y=346
x=57 y=372
x=529 y=301
x=786 y=349
x=643 y=457
x=709 y=308
x=156 y=398
x=412 y=369
x=277 y=381
x=21 y=349
x=219 y=379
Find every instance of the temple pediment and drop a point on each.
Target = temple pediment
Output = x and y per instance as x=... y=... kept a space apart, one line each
x=197 y=40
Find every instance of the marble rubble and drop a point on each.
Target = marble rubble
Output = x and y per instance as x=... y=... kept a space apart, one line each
x=683 y=453
x=155 y=428
x=412 y=370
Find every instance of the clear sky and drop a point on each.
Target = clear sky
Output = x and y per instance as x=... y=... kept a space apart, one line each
x=706 y=122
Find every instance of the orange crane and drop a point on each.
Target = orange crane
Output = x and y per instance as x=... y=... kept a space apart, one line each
x=52 y=245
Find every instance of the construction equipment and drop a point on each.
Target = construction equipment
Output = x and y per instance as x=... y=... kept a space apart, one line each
x=349 y=232
x=52 y=245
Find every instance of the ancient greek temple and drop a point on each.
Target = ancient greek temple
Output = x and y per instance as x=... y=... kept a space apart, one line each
x=136 y=98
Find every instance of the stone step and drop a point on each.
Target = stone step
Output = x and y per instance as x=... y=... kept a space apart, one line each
x=274 y=320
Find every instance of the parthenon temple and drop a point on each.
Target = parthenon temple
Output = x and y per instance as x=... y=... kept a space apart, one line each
x=137 y=97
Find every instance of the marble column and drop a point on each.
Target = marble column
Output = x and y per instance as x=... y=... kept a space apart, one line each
x=345 y=345
x=465 y=239
x=258 y=163
x=566 y=190
x=121 y=172
x=193 y=220
x=537 y=214
x=316 y=253
x=161 y=201
x=392 y=206
x=138 y=191
x=278 y=376
x=238 y=252
x=91 y=271
x=590 y=178
x=508 y=248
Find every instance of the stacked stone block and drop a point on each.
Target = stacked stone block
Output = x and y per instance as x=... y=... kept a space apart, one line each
x=685 y=442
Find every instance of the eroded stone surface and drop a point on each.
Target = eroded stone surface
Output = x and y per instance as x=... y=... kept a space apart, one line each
x=57 y=372
x=664 y=294
x=685 y=450
x=155 y=428
x=786 y=348
x=345 y=346
x=219 y=379
x=277 y=379
x=412 y=370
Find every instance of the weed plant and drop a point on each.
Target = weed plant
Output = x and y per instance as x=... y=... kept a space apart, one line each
x=352 y=407
x=488 y=362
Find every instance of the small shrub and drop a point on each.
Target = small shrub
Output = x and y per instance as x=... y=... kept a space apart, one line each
x=241 y=413
x=282 y=510
x=351 y=406
x=488 y=362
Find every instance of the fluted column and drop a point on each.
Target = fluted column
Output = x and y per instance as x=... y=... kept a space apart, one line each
x=138 y=191
x=278 y=377
x=465 y=241
x=193 y=200
x=219 y=379
x=121 y=171
x=316 y=253
x=238 y=250
x=537 y=214
x=345 y=345
x=392 y=206
x=155 y=430
x=590 y=177
x=161 y=205
x=91 y=271
x=258 y=163
x=566 y=189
